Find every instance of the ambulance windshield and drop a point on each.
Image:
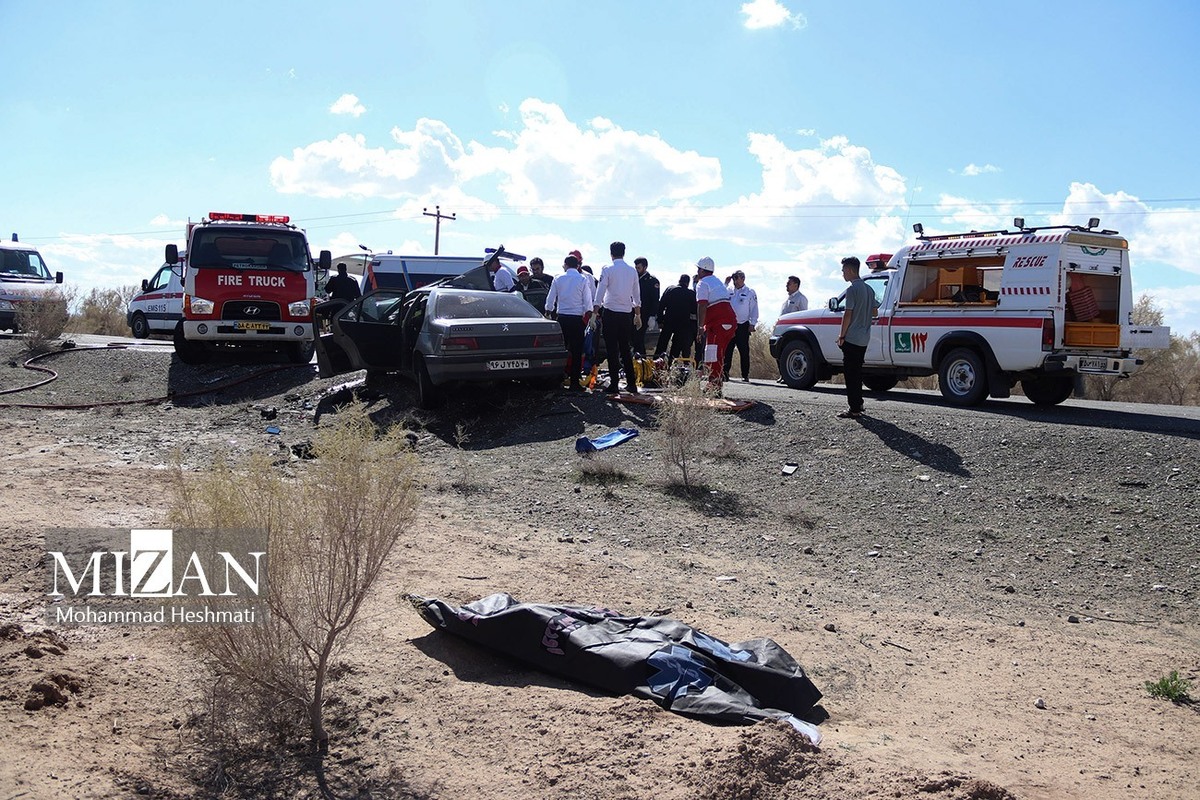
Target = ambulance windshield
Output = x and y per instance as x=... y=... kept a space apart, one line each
x=23 y=264
x=224 y=248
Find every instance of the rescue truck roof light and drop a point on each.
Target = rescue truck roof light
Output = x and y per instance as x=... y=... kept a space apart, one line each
x=1093 y=222
x=1019 y=222
x=226 y=216
x=919 y=229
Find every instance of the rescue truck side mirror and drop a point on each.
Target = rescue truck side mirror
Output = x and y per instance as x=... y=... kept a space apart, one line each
x=325 y=261
x=172 y=253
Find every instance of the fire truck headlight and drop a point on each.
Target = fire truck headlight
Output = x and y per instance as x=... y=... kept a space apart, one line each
x=301 y=308
x=201 y=306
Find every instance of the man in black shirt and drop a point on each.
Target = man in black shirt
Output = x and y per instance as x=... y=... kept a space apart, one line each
x=342 y=286
x=648 y=285
x=677 y=319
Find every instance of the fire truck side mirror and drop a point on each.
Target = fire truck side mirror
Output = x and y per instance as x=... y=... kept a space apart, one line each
x=325 y=261
x=172 y=254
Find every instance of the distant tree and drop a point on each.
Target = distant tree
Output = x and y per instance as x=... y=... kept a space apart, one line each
x=1170 y=376
x=103 y=312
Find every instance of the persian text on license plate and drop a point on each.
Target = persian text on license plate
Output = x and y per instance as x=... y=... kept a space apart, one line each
x=1093 y=363
x=254 y=326
x=512 y=363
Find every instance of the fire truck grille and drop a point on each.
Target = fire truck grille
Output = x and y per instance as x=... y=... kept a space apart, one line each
x=251 y=310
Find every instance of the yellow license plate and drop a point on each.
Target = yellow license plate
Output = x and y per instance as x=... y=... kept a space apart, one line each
x=254 y=326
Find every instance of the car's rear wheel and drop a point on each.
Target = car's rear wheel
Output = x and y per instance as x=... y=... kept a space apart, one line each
x=880 y=383
x=961 y=378
x=140 y=326
x=1048 y=390
x=428 y=395
x=797 y=365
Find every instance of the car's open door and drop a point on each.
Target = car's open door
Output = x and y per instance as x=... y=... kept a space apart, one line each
x=365 y=334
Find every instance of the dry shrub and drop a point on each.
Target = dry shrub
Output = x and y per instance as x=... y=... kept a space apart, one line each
x=329 y=532
x=599 y=468
x=102 y=312
x=43 y=319
x=685 y=419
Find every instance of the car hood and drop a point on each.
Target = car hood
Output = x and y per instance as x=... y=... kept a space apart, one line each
x=24 y=288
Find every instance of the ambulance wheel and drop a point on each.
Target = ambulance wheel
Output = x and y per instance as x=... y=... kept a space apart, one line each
x=880 y=383
x=1048 y=390
x=797 y=365
x=190 y=352
x=428 y=396
x=139 y=326
x=300 y=352
x=961 y=378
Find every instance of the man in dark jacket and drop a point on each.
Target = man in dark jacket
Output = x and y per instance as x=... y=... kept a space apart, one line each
x=650 y=296
x=342 y=286
x=677 y=320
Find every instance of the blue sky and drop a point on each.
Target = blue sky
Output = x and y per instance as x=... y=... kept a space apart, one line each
x=773 y=136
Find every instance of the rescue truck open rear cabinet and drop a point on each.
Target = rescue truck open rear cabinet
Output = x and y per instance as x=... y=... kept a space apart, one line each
x=249 y=282
x=984 y=311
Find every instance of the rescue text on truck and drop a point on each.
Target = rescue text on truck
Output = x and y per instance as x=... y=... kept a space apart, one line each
x=249 y=282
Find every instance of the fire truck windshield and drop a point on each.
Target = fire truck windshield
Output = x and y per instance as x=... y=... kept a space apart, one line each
x=250 y=249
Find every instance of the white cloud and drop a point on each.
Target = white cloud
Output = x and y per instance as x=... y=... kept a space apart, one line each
x=549 y=165
x=971 y=170
x=761 y=14
x=163 y=221
x=823 y=193
x=347 y=104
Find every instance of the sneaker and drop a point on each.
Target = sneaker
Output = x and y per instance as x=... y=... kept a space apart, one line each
x=745 y=380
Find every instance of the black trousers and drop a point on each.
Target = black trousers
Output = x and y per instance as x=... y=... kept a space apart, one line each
x=741 y=340
x=572 y=330
x=679 y=338
x=639 y=339
x=618 y=339
x=852 y=363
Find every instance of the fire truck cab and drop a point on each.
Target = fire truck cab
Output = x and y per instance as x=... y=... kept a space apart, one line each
x=249 y=282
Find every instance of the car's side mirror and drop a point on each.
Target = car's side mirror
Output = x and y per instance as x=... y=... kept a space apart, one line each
x=145 y=284
x=58 y=278
x=833 y=304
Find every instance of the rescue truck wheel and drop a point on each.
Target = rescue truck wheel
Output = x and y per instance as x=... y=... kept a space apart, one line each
x=962 y=378
x=797 y=366
x=880 y=383
x=189 y=352
x=139 y=326
x=300 y=352
x=1048 y=390
x=428 y=396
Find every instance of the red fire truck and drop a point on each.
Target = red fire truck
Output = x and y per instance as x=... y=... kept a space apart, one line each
x=250 y=281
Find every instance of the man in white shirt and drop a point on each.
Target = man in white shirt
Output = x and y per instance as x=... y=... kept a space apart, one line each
x=619 y=304
x=571 y=299
x=714 y=318
x=745 y=311
x=503 y=280
x=796 y=301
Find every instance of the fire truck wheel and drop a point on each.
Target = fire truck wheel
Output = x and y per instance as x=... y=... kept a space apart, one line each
x=880 y=383
x=300 y=352
x=139 y=326
x=428 y=396
x=1048 y=390
x=962 y=378
x=797 y=365
x=190 y=352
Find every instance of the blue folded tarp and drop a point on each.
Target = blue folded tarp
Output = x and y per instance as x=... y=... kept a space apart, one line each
x=611 y=439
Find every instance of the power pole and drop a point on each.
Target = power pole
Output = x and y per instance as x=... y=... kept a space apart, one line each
x=437 y=229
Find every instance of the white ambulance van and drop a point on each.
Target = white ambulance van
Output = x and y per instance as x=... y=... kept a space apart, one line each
x=23 y=276
x=158 y=307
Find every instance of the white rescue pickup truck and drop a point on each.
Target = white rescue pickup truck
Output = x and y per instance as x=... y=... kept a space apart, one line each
x=982 y=311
